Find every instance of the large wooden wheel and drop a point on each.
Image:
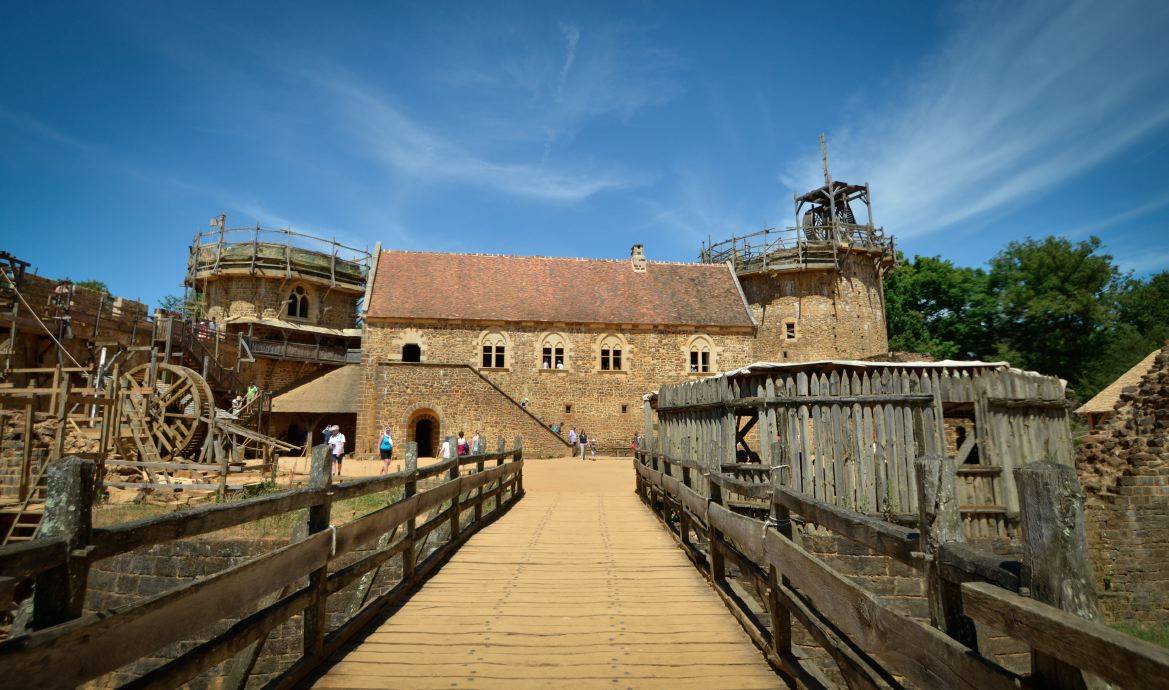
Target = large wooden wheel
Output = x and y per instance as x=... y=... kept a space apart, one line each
x=171 y=419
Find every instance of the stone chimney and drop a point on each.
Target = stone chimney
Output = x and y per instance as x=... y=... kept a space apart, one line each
x=637 y=258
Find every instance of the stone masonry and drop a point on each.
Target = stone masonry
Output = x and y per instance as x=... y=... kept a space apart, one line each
x=818 y=314
x=607 y=404
x=1124 y=469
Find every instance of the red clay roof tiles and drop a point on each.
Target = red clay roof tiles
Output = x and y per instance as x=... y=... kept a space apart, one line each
x=431 y=285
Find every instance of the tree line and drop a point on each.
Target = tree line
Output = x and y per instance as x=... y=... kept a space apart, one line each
x=1049 y=305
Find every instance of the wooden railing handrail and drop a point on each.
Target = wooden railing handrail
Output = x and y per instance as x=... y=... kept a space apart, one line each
x=72 y=652
x=850 y=622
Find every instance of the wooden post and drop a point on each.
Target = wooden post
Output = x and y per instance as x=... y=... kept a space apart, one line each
x=939 y=523
x=26 y=451
x=408 y=556
x=315 y=618
x=62 y=413
x=59 y=593
x=518 y=489
x=453 y=476
x=781 y=624
x=479 y=467
x=501 y=444
x=717 y=563
x=1055 y=562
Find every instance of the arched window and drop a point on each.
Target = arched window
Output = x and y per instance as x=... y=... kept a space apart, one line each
x=611 y=353
x=552 y=352
x=494 y=355
x=411 y=352
x=700 y=357
x=297 y=303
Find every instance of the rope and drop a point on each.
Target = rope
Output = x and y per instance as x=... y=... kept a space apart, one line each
x=32 y=311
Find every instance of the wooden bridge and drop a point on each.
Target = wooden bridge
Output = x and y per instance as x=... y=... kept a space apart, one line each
x=578 y=584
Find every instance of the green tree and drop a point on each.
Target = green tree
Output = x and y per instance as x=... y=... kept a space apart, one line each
x=94 y=285
x=1144 y=305
x=1056 y=305
x=937 y=308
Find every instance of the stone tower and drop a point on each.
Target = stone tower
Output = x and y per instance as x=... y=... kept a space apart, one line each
x=288 y=299
x=815 y=289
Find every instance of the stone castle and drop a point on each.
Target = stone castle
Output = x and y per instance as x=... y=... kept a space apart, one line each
x=512 y=345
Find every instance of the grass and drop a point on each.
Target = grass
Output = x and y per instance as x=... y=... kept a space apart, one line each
x=1157 y=634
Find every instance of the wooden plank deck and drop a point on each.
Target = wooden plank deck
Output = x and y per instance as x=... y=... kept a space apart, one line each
x=578 y=585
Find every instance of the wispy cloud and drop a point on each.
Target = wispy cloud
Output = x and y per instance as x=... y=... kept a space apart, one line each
x=571 y=38
x=1022 y=98
x=1155 y=204
x=386 y=133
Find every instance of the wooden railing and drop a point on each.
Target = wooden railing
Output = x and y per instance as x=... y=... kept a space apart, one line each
x=55 y=645
x=767 y=579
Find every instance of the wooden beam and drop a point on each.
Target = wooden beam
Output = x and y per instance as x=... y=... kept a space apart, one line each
x=1113 y=655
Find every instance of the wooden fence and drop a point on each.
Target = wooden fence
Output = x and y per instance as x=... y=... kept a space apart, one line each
x=768 y=580
x=57 y=645
x=850 y=431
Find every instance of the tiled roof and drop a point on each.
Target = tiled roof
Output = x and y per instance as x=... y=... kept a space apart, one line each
x=430 y=285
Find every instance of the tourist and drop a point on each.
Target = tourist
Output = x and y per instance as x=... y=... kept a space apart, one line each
x=572 y=439
x=446 y=449
x=583 y=439
x=386 y=447
x=237 y=405
x=556 y=428
x=462 y=445
x=560 y=364
x=253 y=391
x=337 y=443
x=593 y=448
x=636 y=441
x=327 y=432
x=476 y=444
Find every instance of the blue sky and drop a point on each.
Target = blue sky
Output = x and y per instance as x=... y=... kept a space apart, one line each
x=573 y=129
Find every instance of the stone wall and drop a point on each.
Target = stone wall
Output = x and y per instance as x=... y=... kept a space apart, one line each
x=456 y=396
x=266 y=298
x=278 y=374
x=1124 y=469
x=607 y=404
x=131 y=577
x=836 y=314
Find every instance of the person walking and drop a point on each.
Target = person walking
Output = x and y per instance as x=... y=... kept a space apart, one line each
x=446 y=450
x=583 y=439
x=337 y=444
x=386 y=448
x=593 y=448
x=463 y=448
x=572 y=439
x=476 y=444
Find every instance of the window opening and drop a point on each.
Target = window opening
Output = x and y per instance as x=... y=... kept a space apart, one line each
x=552 y=355
x=493 y=353
x=611 y=354
x=568 y=409
x=790 y=330
x=298 y=303
x=624 y=409
x=411 y=352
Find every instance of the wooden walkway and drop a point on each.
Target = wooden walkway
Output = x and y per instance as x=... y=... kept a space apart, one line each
x=578 y=585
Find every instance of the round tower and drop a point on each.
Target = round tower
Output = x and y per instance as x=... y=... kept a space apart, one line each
x=815 y=289
x=288 y=299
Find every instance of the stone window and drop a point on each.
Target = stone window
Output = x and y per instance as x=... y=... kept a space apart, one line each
x=700 y=356
x=494 y=352
x=568 y=409
x=624 y=409
x=789 y=329
x=297 y=306
x=611 y=354
x=552 y=352
x=411 y=352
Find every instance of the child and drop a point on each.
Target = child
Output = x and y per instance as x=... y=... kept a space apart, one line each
x=387 y=450
x=337 y=443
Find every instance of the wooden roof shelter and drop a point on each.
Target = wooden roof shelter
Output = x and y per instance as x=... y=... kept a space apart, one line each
x=1103 y=405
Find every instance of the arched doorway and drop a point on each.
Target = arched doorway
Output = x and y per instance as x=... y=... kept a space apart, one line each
x=423 y=428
